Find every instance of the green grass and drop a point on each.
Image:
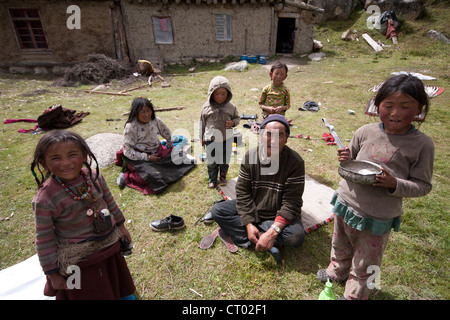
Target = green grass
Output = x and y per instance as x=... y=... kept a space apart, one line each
x=168 y=265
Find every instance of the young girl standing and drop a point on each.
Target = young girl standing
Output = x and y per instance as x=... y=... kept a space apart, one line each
x=275 y=97
x=218 y=116
x=365 y=214
x=78 y=223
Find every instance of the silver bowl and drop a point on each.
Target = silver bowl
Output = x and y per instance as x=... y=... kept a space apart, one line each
x=359 y=171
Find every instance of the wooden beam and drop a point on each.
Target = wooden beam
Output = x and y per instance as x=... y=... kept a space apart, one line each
x=106 y=92
x=303 y=6
x=372 y=43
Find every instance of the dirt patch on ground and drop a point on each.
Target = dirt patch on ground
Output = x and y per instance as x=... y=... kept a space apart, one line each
x=290 y=61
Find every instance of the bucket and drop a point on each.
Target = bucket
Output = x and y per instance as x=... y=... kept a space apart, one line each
x=262 y=60
x=252 y=59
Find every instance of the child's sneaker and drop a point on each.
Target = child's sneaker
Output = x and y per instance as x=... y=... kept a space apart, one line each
x=223 y=182
x=323 y=276
x=223 y=179
x=121 y=181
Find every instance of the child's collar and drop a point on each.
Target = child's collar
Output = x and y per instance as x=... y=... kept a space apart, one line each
x=412 y=129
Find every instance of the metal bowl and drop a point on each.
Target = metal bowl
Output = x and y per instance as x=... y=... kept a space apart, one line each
x=359 y=171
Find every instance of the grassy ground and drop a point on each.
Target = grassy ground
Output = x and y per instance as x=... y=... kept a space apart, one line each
x=169 y=265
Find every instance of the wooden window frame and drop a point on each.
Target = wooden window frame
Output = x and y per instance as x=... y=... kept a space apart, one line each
x=28 y=29
x=155 y=20
x=223 y=26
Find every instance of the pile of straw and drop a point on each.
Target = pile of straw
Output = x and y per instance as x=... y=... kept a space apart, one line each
x=97 y=69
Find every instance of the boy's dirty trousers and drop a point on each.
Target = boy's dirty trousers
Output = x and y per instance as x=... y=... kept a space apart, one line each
x=352 y=253
x=218 y=156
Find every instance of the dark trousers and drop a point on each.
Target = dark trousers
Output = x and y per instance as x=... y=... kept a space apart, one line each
x=226 y=216
x=218 y=156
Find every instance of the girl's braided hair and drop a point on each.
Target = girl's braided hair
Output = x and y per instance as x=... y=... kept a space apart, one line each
x=49 y=139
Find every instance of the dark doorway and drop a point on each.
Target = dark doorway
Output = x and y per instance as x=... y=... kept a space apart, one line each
x=285 y=35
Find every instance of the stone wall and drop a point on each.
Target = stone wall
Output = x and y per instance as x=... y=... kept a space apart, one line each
x=65 y=46
x=253 y=29
x=194 y=33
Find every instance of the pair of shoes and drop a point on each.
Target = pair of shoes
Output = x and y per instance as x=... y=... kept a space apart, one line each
x=208 y=241
x=169 y=223
x=121 y=181
x=211 y=185
x=276 y=254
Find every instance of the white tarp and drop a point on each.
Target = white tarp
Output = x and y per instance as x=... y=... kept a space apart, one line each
x=316 y=209
x=23 y=281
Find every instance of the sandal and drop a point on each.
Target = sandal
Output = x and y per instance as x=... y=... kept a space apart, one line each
x=208 y=241
x=228 y=242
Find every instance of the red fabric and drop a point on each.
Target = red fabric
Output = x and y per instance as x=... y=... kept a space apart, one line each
x=132 y=178
x=27 y=130
x=19 y=120
x=104 y=276
x=390 y=30
x=282 y=220
x=22 y=120
x=328 y=138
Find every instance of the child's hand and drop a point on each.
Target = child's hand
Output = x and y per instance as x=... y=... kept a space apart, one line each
x=229 y=124
x=153 y=158
x=386 y=180
x=269 y=110
x=58 y=281
x=280 y=109
x=125 y=233
x=343 y=154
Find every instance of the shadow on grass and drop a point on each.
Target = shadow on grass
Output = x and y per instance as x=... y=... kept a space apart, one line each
x=313 y=255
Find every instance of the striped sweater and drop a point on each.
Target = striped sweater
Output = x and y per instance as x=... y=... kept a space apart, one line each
x=60 y=218
x=261 y=196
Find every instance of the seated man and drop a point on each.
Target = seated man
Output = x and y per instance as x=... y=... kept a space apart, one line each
x=269 y=192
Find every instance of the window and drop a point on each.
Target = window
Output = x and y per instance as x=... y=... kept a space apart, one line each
x=162 y=30
x=29 y=30
x=223 y=27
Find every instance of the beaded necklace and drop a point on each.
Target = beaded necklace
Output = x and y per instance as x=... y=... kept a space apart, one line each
x=101 y=219
x=85 y=194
